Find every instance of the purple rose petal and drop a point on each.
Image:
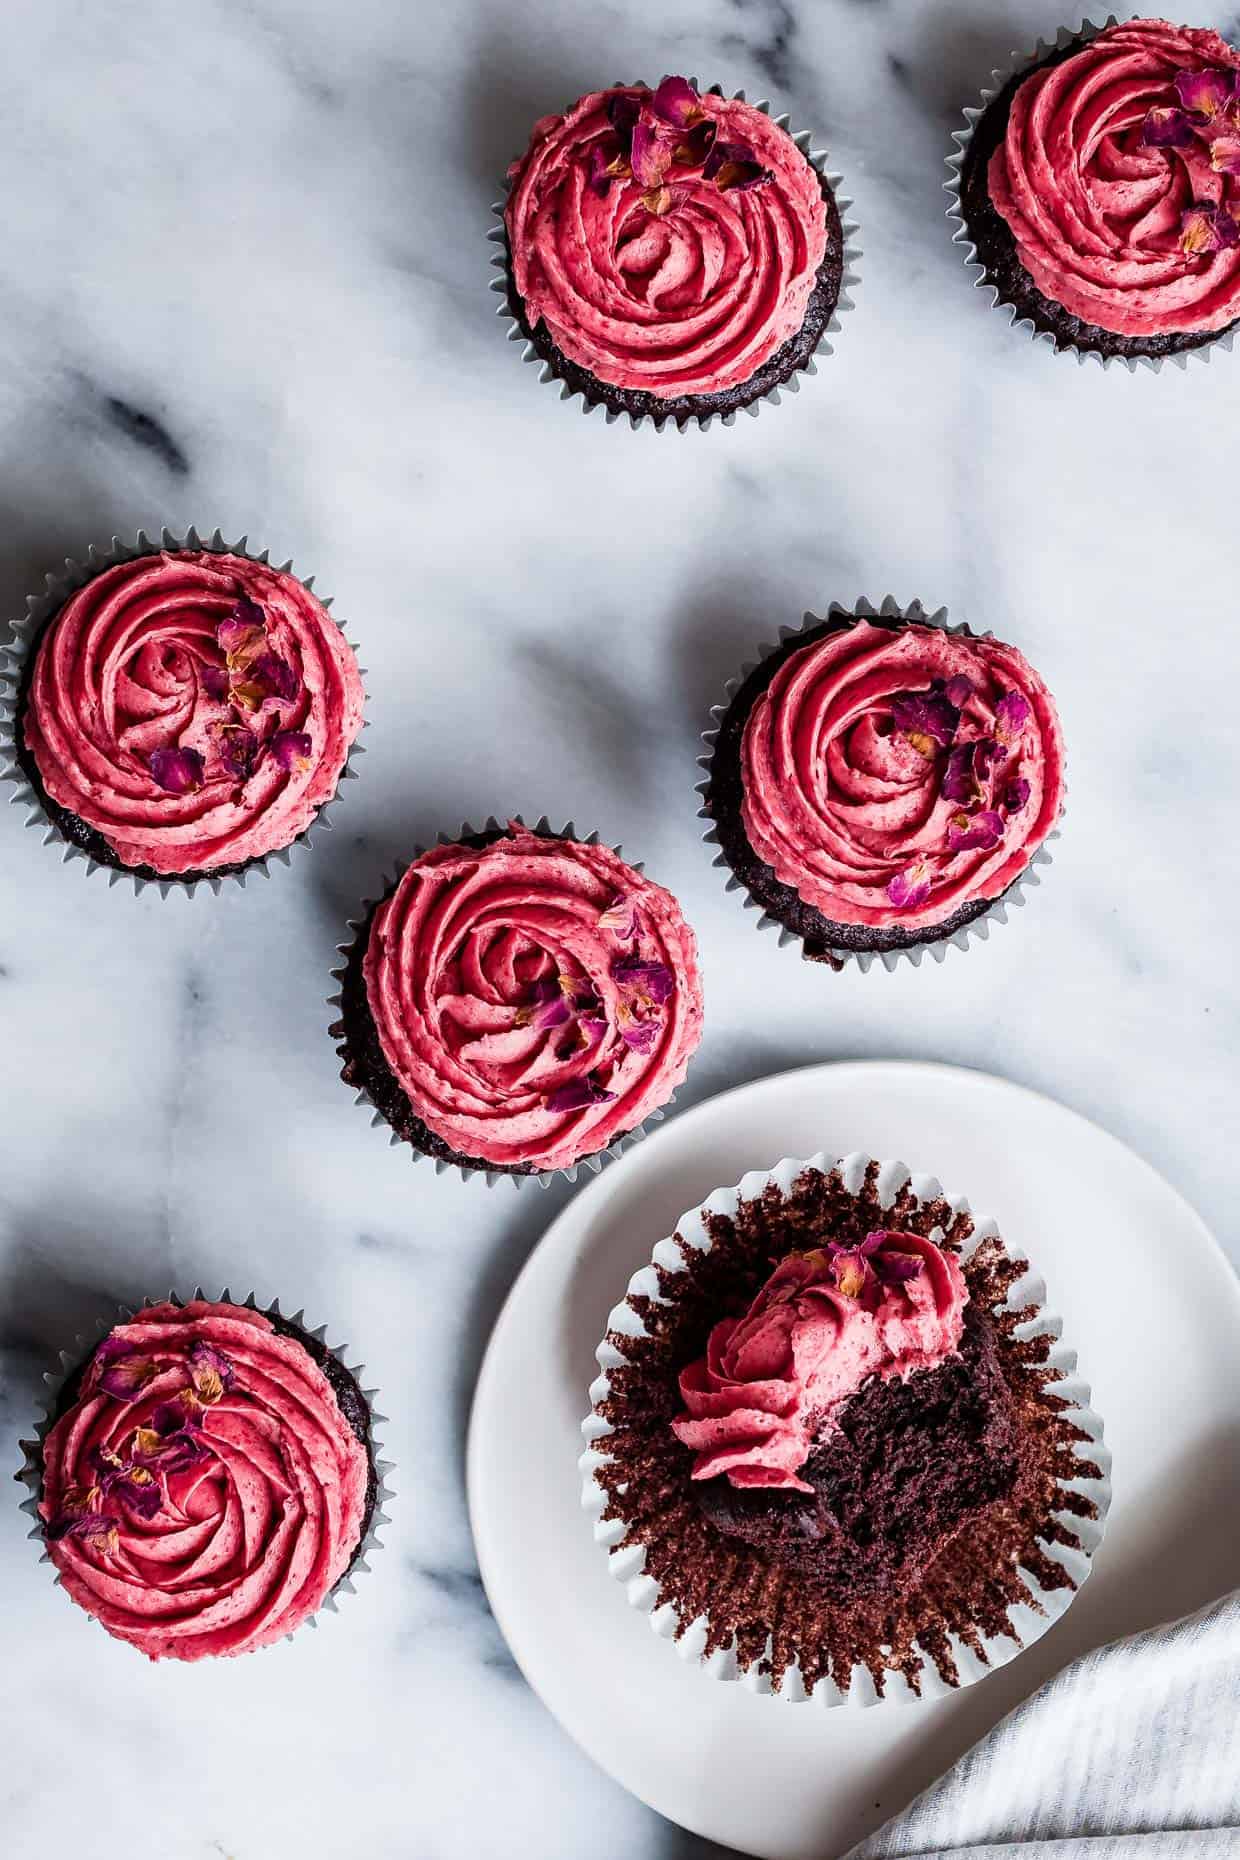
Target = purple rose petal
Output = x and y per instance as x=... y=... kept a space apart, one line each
x=651 y=154
x=578 y=1094
x=958 y=690
x=94 y=1527
x=962 y=782
x=274 y=674
x=292 y=749
x=622 y=917
x=244 y=631
x=210 y=1371
x=677 y=102
x=1012 y=713
x=215 y=683
x=1208 y=94
x=176 y=771
x=697 y=143
x=649 y=981
x=607 y=165
x=975 y=832
x=896 y=1268
x=169 y=1449
x=928 y=719
x=1206 y=229
x=731 y=165
x=120 y=1371
x=1016 y=794
x=623 y=110
x=1167 y=128
x=666 y=199
x=642 y=1036
x=236 y=748
x=1225 y=159
x=910 y=888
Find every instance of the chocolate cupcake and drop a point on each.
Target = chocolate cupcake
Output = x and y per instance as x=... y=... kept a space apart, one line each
x=880 y=783
x=672 y=255
x=837 y=1448
x=1097 y=190
x=178 y=713
x=206 y=1478
x=518 y=1002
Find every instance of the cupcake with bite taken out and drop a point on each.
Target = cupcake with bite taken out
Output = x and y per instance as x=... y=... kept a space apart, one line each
x=1098 y=191
x=518 y=1002
x=180 y=713
x=206 y=1478
x=880 y=783
x=672 y=254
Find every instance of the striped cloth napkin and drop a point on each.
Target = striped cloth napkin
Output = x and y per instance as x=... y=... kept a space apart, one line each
x=1132 y=1753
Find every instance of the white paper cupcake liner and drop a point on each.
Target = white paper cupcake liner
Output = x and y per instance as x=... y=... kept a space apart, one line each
x=978 y=929
x=1029 y=1621
x=40 y=608
x=31 y=1472
x=818 y=160
x=1025 y=61
x=442 y=1166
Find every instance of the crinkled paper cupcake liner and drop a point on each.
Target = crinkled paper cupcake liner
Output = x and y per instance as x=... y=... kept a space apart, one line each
x=14 y=659
x=1029 y=1621
x=850 y=278
x=356 y=927
x=1018 y=62
x=31 y=1472
x=977 y=928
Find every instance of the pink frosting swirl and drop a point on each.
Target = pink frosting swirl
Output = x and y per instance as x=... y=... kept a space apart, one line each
x=1097 y=214
x=134 y=726
x=691 y=300
x=771 y=1381
x=534 y=999
x=203 y=1492
x=862 y=817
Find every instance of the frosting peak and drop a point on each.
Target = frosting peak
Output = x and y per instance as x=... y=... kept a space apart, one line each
x=823 y=1323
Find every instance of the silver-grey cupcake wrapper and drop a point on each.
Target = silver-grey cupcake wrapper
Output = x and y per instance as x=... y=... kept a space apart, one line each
x=979 y=928
x=335 y=1001
x=40 y=608
x=1025 y=61
x=31 y=1472
x=818 y=160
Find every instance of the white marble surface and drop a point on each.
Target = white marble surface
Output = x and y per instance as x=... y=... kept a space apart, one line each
x=259 y=228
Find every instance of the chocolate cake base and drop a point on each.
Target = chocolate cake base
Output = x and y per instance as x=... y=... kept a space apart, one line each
x=774 y=1615
x=790 y=357
x=996 y=247
x=822 y=938
x=349 y=1399
x=905 y=1467
x=364 y=1063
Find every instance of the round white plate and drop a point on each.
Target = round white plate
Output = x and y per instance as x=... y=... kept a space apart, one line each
x=1146 y=1296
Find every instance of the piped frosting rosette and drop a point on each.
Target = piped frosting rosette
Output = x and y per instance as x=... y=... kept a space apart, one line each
x=675 y=247
x=520 y=1001
x=180 y=712
x=879 y=781
x=206 y=1479
x=1118 y=177
x=724 y=1364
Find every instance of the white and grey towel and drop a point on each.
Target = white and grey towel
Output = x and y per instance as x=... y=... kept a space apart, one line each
x=1132 y=1753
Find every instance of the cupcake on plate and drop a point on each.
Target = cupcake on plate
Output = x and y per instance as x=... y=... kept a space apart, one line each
x=206 y=1478
x=672 y=254
x=178 y=713
x=1098 y=189
x=837 y=1448
x=879 y=783
x=518 y=1002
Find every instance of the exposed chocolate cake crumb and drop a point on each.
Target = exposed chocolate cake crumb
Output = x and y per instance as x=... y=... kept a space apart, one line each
x=821 y=936
x=996 y=247
x=749 y=1598
x=785 y=362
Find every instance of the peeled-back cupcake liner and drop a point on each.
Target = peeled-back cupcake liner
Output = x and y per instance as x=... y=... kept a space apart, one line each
x=850 y=277
x=1022 y=62
x=16 y=656
x=71 y=1361
x=1029 y=1621
x=356 y=927
x=978 y=928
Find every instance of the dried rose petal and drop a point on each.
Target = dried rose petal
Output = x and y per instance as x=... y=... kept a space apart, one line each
x=642 y=1035
x=120 y=1371
x=1207 y=94
x=851 y=1270
x=622 y=916
x=731 y=164
x=606 y=166
x=623 y=110
x=215 y=683
x=243 y=633
x=578 y=1094
x=209 y=1370
x=962 y=782
x=697 y=143
x=958 y=690
x=171 y=1451
x=236 y=748
x=1012 y=713
x=134 y=1485
x=651 y=154
x=651 y=982
x=1206 y=229
x=553 y=1013
x=910 y=888
x=292 y=749
x=677 y=102
x=274 y=675
x=928 y=719
x=666 y=199
x=896 y=1268
x=93 y=1527
x=1016 y=794
x=1167 y=128
x=170 y=1417
x=980 y=832
x=176 y=771
x=1225 y=159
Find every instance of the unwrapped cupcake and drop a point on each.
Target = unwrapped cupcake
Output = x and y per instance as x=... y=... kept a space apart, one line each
x=671 y=253
x=837 y=1448
x=519 y=1002
x=1098 y=189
